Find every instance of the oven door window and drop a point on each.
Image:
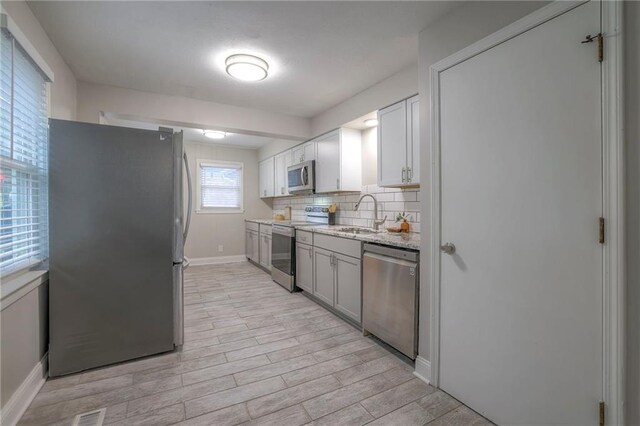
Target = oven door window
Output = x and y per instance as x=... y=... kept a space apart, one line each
x=282 y=253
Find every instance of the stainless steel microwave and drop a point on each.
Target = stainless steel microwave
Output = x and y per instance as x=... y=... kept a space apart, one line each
x=301 y=178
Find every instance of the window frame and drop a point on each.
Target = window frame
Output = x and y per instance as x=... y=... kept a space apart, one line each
x=12 y=278
x=199 y=208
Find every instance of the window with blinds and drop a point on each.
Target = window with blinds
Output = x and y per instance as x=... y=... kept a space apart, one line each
x=23 y=159
x=220 y=187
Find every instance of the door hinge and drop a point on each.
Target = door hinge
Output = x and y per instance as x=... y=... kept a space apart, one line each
x=601 y=413
x=600 y=39
x=601 y=230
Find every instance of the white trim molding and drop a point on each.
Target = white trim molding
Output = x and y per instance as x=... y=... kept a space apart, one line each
x=613 y=172
x=24 y=395
x=613 y=191
x=220 y=260
x=19 y=285
x=423 y=369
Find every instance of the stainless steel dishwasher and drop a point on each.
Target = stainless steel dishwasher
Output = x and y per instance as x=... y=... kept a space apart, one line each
x=390 y=286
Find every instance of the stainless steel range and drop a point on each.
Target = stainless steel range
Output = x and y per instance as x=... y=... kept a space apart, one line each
x=283 y=245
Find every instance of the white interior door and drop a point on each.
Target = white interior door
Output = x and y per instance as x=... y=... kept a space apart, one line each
x=521 y=194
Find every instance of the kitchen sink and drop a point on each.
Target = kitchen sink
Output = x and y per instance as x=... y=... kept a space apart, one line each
x=357 y=231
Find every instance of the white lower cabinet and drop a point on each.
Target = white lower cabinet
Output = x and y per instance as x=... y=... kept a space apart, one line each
x=337 y=277
x=257 y=243
x=265 y=251
x=304 y=267
x=348 y=298
x=323 y=275
x=252 y=245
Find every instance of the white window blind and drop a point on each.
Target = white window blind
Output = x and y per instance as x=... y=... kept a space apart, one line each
x=220 y=186
x=23 y=159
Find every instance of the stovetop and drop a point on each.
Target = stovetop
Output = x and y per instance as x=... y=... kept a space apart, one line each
x=316 y=215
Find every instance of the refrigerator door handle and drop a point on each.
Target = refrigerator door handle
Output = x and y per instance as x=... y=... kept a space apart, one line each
x=189 y=199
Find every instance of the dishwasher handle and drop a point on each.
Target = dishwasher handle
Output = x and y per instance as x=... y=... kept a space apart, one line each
x=408 y=255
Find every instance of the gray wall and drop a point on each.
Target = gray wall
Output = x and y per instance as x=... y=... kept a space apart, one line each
x=24 y=330
x=632 y=105
x=209 y=230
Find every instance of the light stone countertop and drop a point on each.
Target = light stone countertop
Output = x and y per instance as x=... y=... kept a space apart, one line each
x=409 y=240
x=266 y=221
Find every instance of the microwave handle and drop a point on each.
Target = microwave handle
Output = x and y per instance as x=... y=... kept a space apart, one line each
x=302 y=175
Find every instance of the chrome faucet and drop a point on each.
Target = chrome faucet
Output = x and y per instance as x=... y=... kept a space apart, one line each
x=376 y=222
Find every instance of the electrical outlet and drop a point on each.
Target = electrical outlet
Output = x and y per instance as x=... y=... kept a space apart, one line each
x=220 y=248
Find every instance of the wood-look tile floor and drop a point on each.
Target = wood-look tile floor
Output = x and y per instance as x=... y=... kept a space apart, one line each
x=254 y=354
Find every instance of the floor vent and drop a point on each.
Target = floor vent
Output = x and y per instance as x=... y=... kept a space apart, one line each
x=92 y=418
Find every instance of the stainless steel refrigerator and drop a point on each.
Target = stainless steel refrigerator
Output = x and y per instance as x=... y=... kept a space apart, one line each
x=117 y=232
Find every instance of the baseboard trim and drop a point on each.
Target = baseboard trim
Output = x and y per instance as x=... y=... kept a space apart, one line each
x=220 y=260
x=24 y=395
x=423 y=369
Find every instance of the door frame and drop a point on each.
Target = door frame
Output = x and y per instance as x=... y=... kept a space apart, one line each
x=613 y=288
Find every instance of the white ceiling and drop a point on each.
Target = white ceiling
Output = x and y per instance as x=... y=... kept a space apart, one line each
x=320 y=53
x=232 y=140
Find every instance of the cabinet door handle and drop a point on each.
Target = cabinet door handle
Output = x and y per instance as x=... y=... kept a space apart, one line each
x=409 y=174
x=404 y=174
x=310 y=254
x=338 y=183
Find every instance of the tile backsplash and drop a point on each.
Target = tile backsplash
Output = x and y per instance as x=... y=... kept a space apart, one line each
x=391 y=201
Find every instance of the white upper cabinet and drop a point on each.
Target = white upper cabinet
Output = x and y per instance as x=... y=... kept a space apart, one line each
x=392 y=144
x=399 y=144
x=413 y=143
x=339 y=161
x=281 y=162
x=267 y=180
x=304 y=152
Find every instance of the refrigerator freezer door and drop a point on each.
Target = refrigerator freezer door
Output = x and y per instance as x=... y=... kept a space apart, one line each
x=111 y=212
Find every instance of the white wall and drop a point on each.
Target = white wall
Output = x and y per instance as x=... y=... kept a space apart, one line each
x=388 y=91
x=25 y=338
x=275 y=147
x=632 y=119
x=458 y=29
x=370 y=156
x=208 y=230
x=177 y=110
x=63 y=89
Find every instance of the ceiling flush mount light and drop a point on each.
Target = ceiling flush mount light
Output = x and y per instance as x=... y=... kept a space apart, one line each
x=214 y=134
x=371 y=122
x=247 y=67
